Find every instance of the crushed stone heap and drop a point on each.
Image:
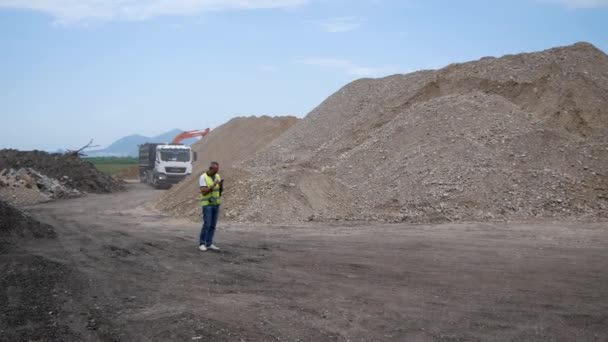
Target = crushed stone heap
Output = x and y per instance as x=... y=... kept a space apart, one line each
x=513 y=138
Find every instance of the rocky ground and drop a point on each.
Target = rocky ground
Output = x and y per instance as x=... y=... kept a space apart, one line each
x=110 y=270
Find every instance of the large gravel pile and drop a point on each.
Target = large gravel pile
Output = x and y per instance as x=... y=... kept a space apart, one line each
x=229 y=144
x=512 y=138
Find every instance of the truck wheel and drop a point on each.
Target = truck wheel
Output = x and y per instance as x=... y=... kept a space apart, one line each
x=155 y=183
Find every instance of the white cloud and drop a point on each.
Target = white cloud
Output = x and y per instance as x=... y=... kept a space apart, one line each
x=580 y=3
x=349 y=67
x=341 y=24
x=67 y=11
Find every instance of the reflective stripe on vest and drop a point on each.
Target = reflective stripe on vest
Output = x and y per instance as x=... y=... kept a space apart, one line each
x=212 y=198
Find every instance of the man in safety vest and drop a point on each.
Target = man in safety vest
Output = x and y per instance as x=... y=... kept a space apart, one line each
x=211 y=185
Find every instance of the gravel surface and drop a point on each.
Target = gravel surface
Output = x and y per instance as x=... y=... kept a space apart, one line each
x=117 y=272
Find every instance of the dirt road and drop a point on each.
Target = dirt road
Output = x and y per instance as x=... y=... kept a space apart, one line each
x=136 y=275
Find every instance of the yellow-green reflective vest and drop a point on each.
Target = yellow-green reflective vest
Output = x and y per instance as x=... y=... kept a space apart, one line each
x=212 y=198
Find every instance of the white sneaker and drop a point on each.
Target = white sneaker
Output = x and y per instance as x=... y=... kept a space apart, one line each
x=214 y=247
x=202 y=248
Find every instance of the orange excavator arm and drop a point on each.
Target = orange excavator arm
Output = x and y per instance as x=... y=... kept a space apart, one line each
x=189 y=134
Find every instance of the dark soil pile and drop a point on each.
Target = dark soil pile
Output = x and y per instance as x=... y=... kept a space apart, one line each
x=70 y=170
x=16 y=224
x=39 y=297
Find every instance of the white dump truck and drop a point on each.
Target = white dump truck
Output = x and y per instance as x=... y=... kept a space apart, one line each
x=162 y=165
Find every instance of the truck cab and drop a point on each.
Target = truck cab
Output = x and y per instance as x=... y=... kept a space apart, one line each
x=162 y=165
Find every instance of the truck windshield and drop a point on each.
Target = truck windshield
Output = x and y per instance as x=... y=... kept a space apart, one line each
x=175 y=155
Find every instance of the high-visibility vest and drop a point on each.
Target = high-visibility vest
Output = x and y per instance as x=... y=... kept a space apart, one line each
x=213 y=197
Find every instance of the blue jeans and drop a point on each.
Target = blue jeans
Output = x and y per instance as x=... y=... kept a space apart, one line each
x=210 y=216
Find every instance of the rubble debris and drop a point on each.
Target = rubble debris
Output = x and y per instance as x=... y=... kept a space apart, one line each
x=27 y=186
x=72 y=171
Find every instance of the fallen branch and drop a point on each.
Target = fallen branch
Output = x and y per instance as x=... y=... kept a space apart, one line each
x=78 y=152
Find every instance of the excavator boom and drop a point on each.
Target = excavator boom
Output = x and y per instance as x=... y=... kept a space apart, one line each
x=190 y=134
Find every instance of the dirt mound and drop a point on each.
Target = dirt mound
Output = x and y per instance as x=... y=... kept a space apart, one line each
x=36 y=292
x=15 y=224
x=70 y=170
x=517 y=137
x=229 y=144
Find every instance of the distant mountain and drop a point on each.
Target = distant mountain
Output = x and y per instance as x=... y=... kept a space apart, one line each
x=168 y=137
x=127 y=146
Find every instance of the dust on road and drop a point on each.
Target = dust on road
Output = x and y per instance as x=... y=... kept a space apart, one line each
x=138 y=276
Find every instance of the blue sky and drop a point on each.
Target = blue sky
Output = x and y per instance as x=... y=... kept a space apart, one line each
x=72 y=70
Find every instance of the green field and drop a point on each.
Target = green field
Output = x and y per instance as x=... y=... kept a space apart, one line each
x=113 y=165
